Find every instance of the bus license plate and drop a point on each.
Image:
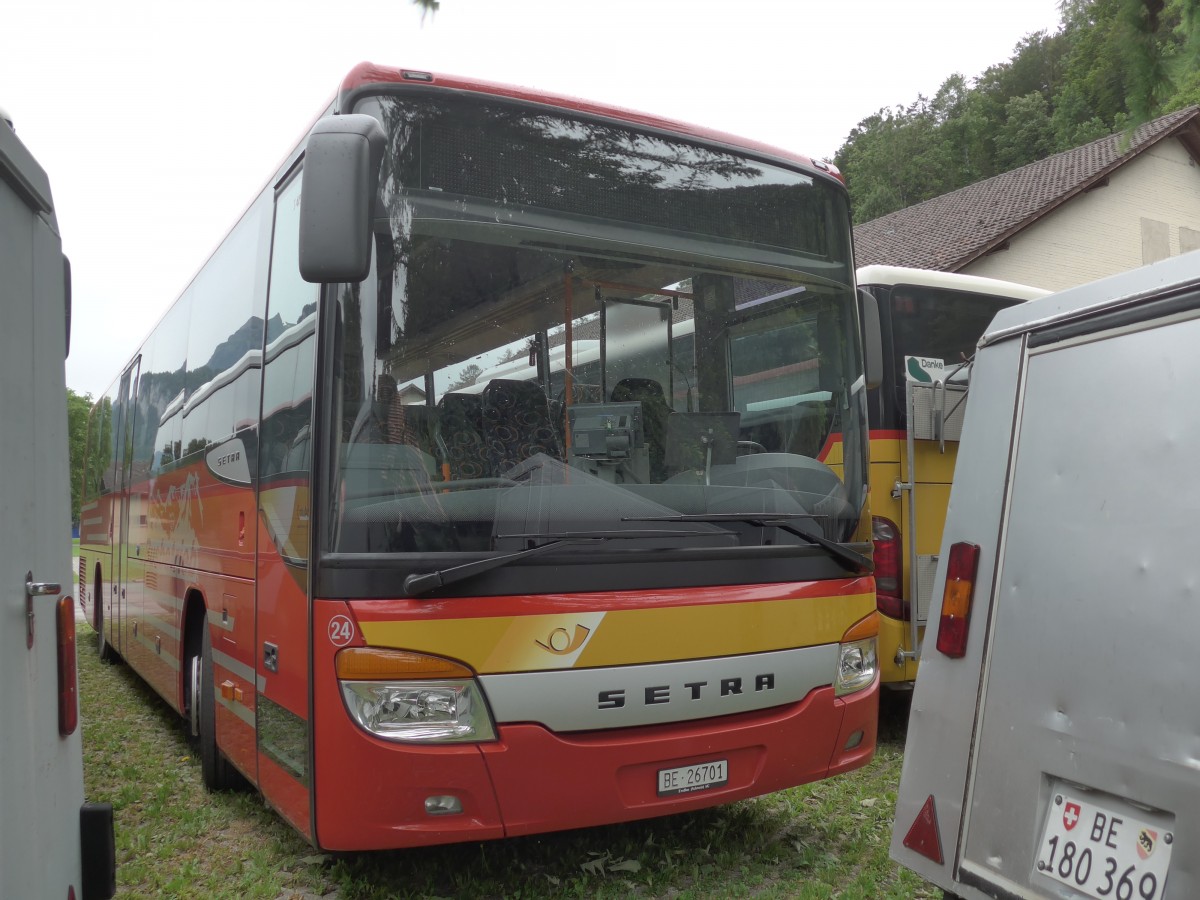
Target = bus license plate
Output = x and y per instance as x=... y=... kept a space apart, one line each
x=699 y=777
x=1104 y=852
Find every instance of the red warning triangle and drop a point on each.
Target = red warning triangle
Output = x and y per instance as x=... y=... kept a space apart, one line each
x=924 y=836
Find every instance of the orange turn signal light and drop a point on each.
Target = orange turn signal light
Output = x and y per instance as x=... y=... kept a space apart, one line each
x=378 y=664
x=866 y=627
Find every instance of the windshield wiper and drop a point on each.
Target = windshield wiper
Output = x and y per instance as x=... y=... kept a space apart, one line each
x=853 y=560
x=415 y=585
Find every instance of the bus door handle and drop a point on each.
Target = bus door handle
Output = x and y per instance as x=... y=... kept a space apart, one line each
x=36 y=589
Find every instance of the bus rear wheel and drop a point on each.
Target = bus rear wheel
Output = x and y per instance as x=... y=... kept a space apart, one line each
x=107 y=653
x=215 y=769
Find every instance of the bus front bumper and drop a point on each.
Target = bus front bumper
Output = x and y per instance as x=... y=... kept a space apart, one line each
x=372 y=794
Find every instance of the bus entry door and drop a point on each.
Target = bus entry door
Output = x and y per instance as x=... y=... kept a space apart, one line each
x=115 y=621
x=935 y=416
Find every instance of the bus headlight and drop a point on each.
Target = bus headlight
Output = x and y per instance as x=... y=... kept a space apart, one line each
x=433 y=711
x=411 y=697
x=857 y=666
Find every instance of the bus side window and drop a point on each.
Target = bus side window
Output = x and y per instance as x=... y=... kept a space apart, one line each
x=289 y=367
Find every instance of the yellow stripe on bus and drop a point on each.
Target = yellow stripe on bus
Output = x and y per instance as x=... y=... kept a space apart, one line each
x=626 y=636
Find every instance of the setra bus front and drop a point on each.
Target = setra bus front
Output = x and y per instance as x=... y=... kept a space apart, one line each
x=589 y=530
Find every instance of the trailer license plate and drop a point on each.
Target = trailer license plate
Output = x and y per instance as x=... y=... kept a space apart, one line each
x=686 y=779
x=1104 y=852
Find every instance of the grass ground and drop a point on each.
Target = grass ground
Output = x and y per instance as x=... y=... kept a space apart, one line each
x=824 y=840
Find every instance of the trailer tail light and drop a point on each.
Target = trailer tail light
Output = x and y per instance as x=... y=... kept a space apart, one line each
x=68 y=684
x=961 y=568
x=889 y=595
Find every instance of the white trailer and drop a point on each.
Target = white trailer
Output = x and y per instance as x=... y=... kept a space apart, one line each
x=1053 y=747
x=52 y=844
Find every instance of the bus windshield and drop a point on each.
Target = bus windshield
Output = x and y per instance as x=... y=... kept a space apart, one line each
x=941 y=324
x=575 y=328
x=937 y=323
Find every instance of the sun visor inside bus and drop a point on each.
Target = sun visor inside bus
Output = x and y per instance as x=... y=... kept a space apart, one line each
x=337 y=197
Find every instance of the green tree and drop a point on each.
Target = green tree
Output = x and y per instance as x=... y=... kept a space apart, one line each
x=1036 y=66
x=1095 y=75
x=895 y=158
x=1027 y=133
x=1183 y=66
x=1112 y=65
x=78 y=407
x=465 y=378
x=1075 y=123
x=963 y=127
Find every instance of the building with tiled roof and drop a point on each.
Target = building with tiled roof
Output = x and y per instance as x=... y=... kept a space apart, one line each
x=1107 y=206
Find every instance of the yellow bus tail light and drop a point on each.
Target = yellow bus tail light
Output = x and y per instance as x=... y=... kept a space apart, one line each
x=955 y=622
x=857 y=656
x=413 y=698
x=889 y=566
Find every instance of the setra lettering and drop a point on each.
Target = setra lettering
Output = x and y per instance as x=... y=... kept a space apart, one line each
x=657 y=695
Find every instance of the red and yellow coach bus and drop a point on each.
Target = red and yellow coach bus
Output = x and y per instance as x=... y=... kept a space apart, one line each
x=625 y=574
x=922 y=326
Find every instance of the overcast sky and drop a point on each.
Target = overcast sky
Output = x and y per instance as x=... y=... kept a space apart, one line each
x=158 y=122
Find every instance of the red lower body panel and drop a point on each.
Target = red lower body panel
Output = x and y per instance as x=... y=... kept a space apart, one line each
x=370 y=794
x=548 y=782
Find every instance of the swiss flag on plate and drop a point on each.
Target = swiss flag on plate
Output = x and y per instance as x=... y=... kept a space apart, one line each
x=1071 y=816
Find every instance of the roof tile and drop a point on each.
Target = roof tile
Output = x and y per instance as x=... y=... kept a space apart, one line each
x=950 y=231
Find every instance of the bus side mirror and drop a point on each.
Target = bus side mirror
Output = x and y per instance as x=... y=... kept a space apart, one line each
x=337 y=198
x=872 y=339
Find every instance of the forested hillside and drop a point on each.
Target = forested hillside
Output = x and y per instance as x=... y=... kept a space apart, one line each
x=1111 y=64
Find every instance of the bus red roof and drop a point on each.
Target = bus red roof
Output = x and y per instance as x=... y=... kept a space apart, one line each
x=365 y=74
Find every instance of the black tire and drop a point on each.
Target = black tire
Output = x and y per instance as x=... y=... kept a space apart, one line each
x=215 y=770
x=107 y=653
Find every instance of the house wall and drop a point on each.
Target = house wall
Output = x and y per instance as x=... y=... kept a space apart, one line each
x=1149 y=210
